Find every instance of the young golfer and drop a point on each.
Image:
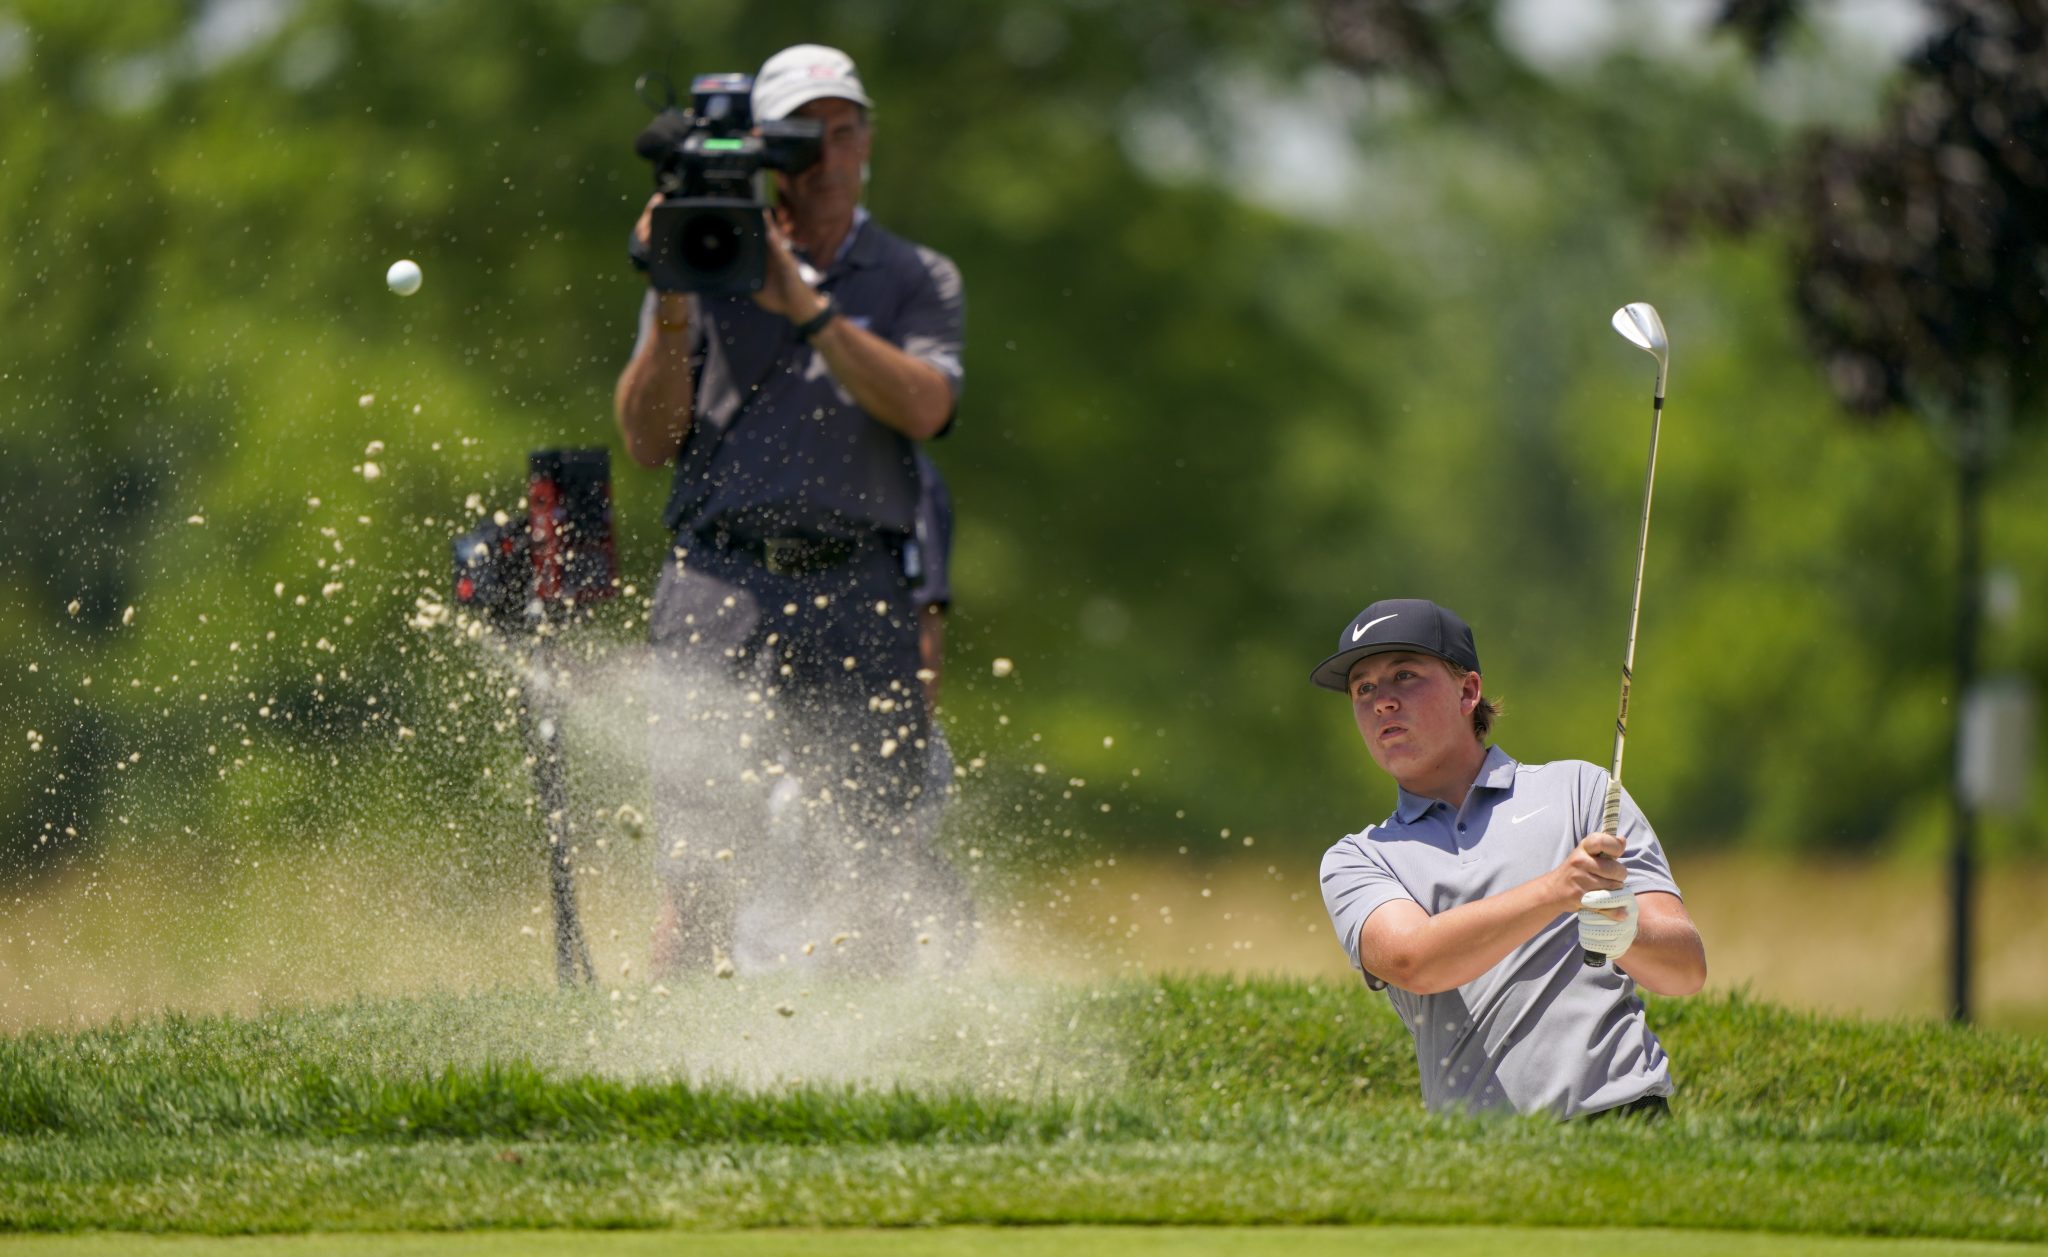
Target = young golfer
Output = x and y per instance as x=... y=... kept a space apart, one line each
x=1464 y=904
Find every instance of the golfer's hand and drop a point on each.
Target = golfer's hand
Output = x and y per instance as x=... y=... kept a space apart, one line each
x=784 y=291
x=1595 y=864
x=1609 y=931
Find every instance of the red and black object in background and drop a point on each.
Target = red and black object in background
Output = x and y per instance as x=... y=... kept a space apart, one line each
x=560 y=554
x=557 y=558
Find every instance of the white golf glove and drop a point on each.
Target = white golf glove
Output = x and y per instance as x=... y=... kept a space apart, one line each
x=1601 y=934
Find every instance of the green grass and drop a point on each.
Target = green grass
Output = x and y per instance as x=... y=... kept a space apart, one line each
x=1063 y=1241
x=1209 y=1100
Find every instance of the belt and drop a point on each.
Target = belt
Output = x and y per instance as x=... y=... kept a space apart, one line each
x=794 y=555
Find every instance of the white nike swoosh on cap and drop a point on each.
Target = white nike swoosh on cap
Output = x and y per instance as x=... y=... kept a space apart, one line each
x=1360 y=630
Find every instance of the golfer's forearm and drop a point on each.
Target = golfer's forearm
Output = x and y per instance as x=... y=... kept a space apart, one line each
x=653 y=398
x=1454 y=947
x=896 y=389
x=1667 y=958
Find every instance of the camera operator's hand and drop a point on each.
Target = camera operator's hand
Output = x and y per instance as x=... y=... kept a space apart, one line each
x=653 y=398
x=671 y=309
x=784 y=291
x=643 y=230
x=895 y=389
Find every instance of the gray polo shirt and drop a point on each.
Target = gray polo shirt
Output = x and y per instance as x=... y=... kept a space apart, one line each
x=1540 y=1031
x=801 y=457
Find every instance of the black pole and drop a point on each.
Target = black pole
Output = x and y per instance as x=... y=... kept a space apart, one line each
x=1969 y=605
x=540 y=573
x=543 y=728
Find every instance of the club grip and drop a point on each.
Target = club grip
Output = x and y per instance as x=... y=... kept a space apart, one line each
x=1610 y=816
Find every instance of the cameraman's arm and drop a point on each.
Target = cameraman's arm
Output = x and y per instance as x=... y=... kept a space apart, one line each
x=653 y=398
x=902 y=389
x=907 y=394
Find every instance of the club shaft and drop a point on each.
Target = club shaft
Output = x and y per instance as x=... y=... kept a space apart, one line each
x=1610 y=817
x=1610 y=813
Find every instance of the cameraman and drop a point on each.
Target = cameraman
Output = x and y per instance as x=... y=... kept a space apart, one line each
x=783 y=625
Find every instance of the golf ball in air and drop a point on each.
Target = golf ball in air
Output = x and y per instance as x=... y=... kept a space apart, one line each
x=404 y=277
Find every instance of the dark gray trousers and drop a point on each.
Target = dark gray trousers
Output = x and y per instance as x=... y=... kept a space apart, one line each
x=788 y=755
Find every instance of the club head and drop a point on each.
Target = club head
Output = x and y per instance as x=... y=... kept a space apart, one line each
x=1640 y=325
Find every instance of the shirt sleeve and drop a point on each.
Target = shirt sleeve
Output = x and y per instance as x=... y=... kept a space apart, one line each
x=1643 y=857
x=932 y=326
x=1642 y=854
x=1357 y=884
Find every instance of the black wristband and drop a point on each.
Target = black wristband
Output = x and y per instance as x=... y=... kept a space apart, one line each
x=816 y=323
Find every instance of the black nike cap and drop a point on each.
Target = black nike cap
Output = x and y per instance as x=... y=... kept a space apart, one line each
x=1398 y=624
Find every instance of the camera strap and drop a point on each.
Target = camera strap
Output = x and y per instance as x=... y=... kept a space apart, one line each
x=700 y=448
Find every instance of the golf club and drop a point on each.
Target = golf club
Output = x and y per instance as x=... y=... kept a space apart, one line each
x=1639 y=324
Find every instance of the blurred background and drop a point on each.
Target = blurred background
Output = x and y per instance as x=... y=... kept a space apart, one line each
x=1274 y=309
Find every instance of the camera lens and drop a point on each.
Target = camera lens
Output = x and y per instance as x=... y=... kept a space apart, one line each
x=710 y=243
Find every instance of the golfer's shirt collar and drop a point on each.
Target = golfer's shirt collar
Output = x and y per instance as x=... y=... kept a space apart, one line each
x=1496 y=772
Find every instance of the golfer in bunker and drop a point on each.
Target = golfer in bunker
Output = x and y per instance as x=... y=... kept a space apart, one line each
x=1464 y=905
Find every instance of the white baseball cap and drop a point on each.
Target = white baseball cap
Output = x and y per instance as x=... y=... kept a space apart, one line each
x=797 y=76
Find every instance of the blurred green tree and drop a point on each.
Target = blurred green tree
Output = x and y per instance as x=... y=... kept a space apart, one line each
x=1252 y=340
x=1918 y=257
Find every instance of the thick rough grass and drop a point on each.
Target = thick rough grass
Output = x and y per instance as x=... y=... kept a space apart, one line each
x=1205 y=1100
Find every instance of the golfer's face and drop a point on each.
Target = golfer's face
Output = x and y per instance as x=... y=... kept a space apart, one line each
x=1411 y=712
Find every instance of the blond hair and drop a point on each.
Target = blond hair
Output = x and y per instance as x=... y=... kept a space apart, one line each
x=1488 y=709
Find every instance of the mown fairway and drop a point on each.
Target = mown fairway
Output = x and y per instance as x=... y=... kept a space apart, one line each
x=1064 y=1241
x=1204 y=1100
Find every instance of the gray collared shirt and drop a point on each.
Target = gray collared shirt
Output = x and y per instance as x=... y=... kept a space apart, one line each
x=1540 y=1031
x=802 y=456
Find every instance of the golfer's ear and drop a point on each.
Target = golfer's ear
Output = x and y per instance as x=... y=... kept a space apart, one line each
x=1473 y=687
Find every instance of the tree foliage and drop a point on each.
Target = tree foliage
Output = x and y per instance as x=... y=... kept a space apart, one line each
x=1207 y=416
x=1920 y=250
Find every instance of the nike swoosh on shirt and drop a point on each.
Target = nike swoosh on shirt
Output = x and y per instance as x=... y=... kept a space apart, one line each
x=1360 y=630
x=1516 y=820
